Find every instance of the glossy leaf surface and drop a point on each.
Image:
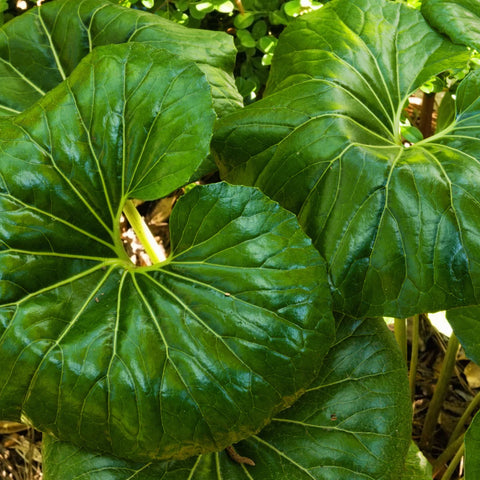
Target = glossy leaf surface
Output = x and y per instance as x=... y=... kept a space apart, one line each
x=459 y=19
x=353 y=423
x=41 y=48
x=395 y=224
x=472 y=447
x=185 y=356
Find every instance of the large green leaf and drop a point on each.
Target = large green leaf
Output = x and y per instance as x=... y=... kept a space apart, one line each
x=466 y=325
x=396 y=225
x=41 y=48
x=459 y=19
x=352 y=424
x=182 y=357
x=472 y=447
x=3 y=7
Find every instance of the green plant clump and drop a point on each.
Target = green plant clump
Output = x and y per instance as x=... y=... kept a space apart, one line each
x=256 y=350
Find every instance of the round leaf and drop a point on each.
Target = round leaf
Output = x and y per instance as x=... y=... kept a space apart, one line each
x=293 y=8
x=267 y=44
x=395 y=224
x=353 y=423
x=411 y=134
x=225 y=7
x=259 y=29
x=246 y=38
x=35 y=57
x=166 y=361
x=243 y=20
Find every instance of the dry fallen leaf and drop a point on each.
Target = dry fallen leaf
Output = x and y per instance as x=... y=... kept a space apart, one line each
x=472 y=373
x=11 y=427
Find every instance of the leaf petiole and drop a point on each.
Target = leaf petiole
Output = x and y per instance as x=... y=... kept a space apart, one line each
x=401 y=335
x=143 y=232
x=414 y=354
x=440 y=392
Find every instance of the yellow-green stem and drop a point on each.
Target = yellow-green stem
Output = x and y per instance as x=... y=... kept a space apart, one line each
x=143 y=232
x=464 y=418
x=446 y=373
x=454 y=463
x=447 y=454
x=414 y=355
x=400 y=326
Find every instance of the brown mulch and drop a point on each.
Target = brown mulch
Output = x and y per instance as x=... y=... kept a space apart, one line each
x=20 y=452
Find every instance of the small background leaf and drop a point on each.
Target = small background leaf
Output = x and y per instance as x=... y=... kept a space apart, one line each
x=411 y=134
